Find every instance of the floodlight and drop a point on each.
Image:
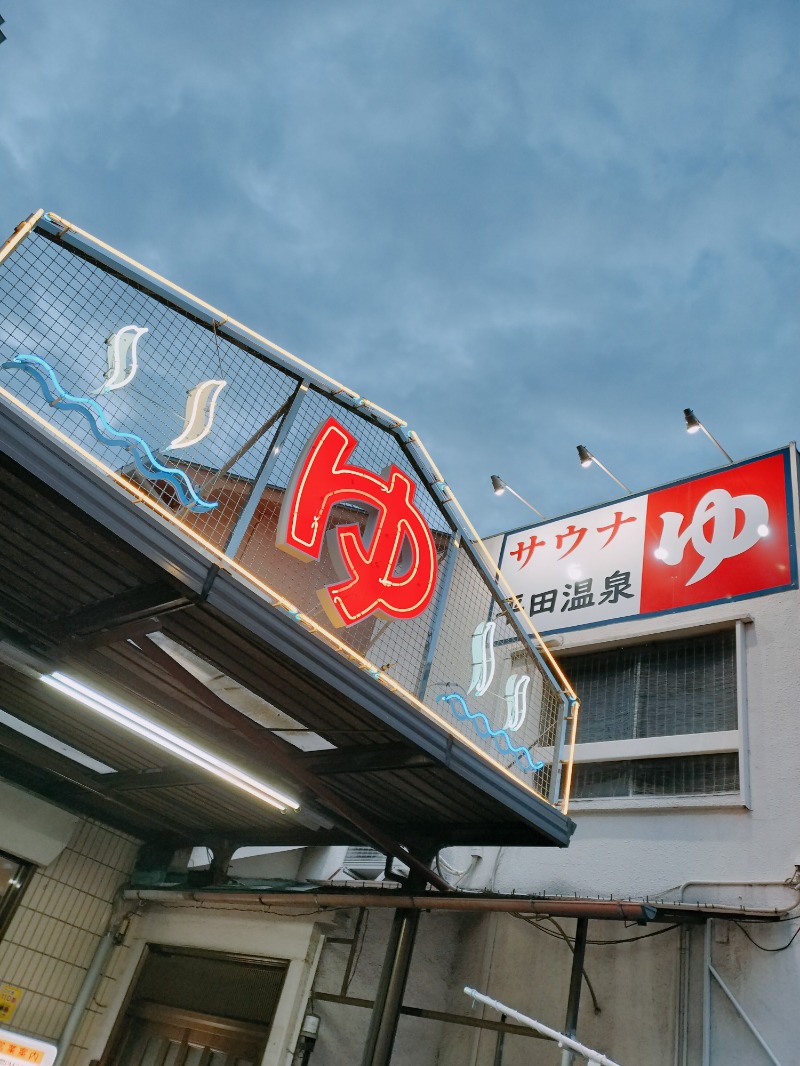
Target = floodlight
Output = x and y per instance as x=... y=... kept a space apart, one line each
x=693 y=424
x=587 y=458
x=500 y=487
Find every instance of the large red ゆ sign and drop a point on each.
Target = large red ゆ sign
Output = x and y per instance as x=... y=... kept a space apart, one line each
x=723 y=536
x=390 y=569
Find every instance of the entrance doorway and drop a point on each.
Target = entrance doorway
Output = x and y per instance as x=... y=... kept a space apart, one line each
x=198 y=1009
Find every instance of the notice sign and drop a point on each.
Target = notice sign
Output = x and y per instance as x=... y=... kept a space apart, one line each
x=19 y=1048
x=9 y=1001
x=724 y=536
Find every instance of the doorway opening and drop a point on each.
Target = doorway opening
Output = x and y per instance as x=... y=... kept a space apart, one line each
x=198 y=1008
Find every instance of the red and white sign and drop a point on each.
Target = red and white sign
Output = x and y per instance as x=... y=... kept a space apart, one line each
x=388 y=570
x=723 y=536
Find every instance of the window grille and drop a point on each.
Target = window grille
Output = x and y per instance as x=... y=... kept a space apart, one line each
x=669 y=688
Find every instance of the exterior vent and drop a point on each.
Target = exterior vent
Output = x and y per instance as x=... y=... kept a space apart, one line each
x=365 y=863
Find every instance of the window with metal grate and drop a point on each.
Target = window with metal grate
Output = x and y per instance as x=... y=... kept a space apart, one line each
x=630 y=696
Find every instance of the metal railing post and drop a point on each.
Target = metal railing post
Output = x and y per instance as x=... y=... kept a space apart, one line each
x=263 y=475
x=438 y=618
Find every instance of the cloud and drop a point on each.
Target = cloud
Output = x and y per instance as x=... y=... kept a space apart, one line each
x=521 y=228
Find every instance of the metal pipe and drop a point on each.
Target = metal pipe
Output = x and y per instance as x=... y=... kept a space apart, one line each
x=742 y=1013
x=498 y=1048
x=681 y=889
x=687 y=932
x=707 y=993
x=575 y=982
x=435 y=1016
x=708 y=972
x=682 y=1000
x=438 y=618
x=87 y=989
x=392 y=985
x=19 y=234
x=601 y=909
x=596 y=1058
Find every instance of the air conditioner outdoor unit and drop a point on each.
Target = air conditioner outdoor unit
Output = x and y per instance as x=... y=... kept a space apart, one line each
x=369 y=864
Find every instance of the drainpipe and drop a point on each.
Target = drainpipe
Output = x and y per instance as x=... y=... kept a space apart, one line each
x=113 y=937
x=90 y=981
x=682 y=1001
x=707 y=993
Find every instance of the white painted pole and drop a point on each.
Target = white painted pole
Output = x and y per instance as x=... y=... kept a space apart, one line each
x=596 y=1058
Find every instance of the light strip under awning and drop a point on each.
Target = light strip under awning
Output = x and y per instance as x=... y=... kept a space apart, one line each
x=171 y=742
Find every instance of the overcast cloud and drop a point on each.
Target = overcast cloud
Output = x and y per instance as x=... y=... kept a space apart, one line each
x=521 y=226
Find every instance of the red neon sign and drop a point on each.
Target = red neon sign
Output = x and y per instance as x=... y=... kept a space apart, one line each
x=390 y=568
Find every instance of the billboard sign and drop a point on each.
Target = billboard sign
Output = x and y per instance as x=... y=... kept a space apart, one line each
x=722 y=536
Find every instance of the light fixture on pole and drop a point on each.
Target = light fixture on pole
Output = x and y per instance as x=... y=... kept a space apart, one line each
x=693 y=424
x=587 y=459
x=500 y=487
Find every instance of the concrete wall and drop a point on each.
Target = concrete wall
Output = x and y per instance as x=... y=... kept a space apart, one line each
x=343 y=1028
x=647 y=848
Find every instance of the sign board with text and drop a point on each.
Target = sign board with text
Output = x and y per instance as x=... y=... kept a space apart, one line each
x=10 y=996
x=723 y=536
x=17 y=1049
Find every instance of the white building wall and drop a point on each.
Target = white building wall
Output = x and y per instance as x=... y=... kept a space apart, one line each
x=706 y=849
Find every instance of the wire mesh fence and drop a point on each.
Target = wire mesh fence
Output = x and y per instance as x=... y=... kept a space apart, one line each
x=215 y=430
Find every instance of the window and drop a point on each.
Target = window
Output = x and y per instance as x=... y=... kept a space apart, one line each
x=14 y=876
x=658 y=719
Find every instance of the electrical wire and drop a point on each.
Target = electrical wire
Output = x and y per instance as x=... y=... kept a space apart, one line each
x=761 y=946
x=562 y=935
x=597 y=943
x=358 y=952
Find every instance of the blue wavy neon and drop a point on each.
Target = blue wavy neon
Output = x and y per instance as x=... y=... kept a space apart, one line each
x=139 y=449
x=502 y=741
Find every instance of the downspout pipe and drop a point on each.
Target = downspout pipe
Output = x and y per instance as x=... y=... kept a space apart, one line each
x=87 y=990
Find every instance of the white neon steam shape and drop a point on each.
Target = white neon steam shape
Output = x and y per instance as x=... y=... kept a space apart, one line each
x=482 y=657
x=201 y=405
x=516 y=701
x=122 y=359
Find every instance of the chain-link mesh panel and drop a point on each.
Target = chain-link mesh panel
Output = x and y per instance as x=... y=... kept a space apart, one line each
x=490 y=683
x=395 y=646
x=60 y=306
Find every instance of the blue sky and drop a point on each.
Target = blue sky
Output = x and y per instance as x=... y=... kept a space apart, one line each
x=520 y=226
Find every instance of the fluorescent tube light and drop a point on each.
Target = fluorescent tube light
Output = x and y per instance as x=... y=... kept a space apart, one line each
x=171 y=742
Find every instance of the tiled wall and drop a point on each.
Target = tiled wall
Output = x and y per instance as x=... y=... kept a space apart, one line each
x=57 y=927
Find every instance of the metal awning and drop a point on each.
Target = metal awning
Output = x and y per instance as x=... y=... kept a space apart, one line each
x=89 y=574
